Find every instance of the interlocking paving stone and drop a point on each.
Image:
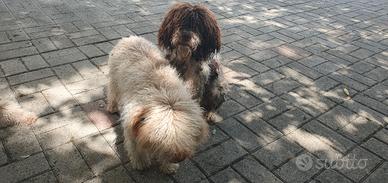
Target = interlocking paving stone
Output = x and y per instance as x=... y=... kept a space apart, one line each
x=20 y=142
x=188 y=172
x=277 y=152
x=380 y=175
x=45 y=177
x=34 y=62
x=254 y=171
x=30 y=76
x=377 y=147
x=97 y=153
x=148 y=176
x=333 y=138
x=220 y=156
x=118 y=174
x=227 y=175
x=13 y=66
x=63 y=56
x=331 y=176
x=68 y=164
x=23 y=169
x=240 y=134
x=43 y=44
x=267 y=77
x=382 y=135
x=292 y=118
x=292 y=173
x=365 y=166
x=337 y=117
x=36 y=103
x=271 y=109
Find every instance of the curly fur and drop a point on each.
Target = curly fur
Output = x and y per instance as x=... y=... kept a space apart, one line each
x=191 y=38
x=192 y=28
x=161 y=121
x=12 y=114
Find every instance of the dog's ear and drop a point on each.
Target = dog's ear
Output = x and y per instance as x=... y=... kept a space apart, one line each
x=136 y=120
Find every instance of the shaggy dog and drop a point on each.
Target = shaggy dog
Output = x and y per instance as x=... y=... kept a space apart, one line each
x=190 y=36
x=162 y=123
x=11 y=114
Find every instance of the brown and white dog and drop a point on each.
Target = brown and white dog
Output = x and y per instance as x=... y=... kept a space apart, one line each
x=191 y=38
x=162 y=123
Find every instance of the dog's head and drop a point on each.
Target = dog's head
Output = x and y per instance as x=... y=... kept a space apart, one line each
x=169 y=129
x=190 y=30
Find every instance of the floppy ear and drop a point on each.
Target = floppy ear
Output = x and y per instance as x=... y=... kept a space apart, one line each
x=136 y=120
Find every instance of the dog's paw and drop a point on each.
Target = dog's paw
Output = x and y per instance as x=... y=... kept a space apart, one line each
x=169 y=168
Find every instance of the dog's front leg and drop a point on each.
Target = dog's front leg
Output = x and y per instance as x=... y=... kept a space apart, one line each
x=168 y=168
x=138 y=158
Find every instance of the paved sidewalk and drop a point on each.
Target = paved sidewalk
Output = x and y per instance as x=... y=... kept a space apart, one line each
x=290 y=64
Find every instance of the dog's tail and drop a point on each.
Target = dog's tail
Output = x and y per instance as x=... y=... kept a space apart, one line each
x=170 y=127
x=11 y=114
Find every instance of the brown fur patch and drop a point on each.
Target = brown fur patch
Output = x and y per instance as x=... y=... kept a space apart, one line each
x=184 y=21
x=137 y=119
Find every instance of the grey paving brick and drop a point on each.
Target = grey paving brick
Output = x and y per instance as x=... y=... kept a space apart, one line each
x=243 y=97
x=34 y=62
x=227 y=175
x=36 y=103
x=215 y=137
x=18 y=53
x=276 y=62
x=20 y=142
x=312 y=61
x=23 y=169
x=292 y=173
x=378 y=74
x=106 y=47
x=362 y=53
x=377 y=147
x=99 y=161
x=68 y=164
x=304 y=70
x=36 y=86
x=362 y=67
x=220 y=156
x=331 y=176
x=254 y=171
x=277 y=152
x=263 y=55
x=379 y=175
x=91 y=51
x=59 y=98
x=337 y=117
x=327 y=67
x=267 y=77
x=271 y=109
x=242 y=135
x=89 y=40
x=44 y=44
x=348 y=81
x=358 y=77
x=282 y=86
x=356 y=174
x=382 y=135
x=118 y=174
x=13 y=66
x=266 y=132
x=292 y=118
x=63 y=56
x=229 y=108
x=61 y=41
x=48 y=177
x=188 y=172
x=372 y=103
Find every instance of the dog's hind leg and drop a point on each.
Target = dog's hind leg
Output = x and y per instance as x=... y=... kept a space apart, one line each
x=138 y=158
x=111 y=98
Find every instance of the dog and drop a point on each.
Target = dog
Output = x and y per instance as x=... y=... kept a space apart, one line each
x=12 y=114
x=162 y=124
x=191 y=38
